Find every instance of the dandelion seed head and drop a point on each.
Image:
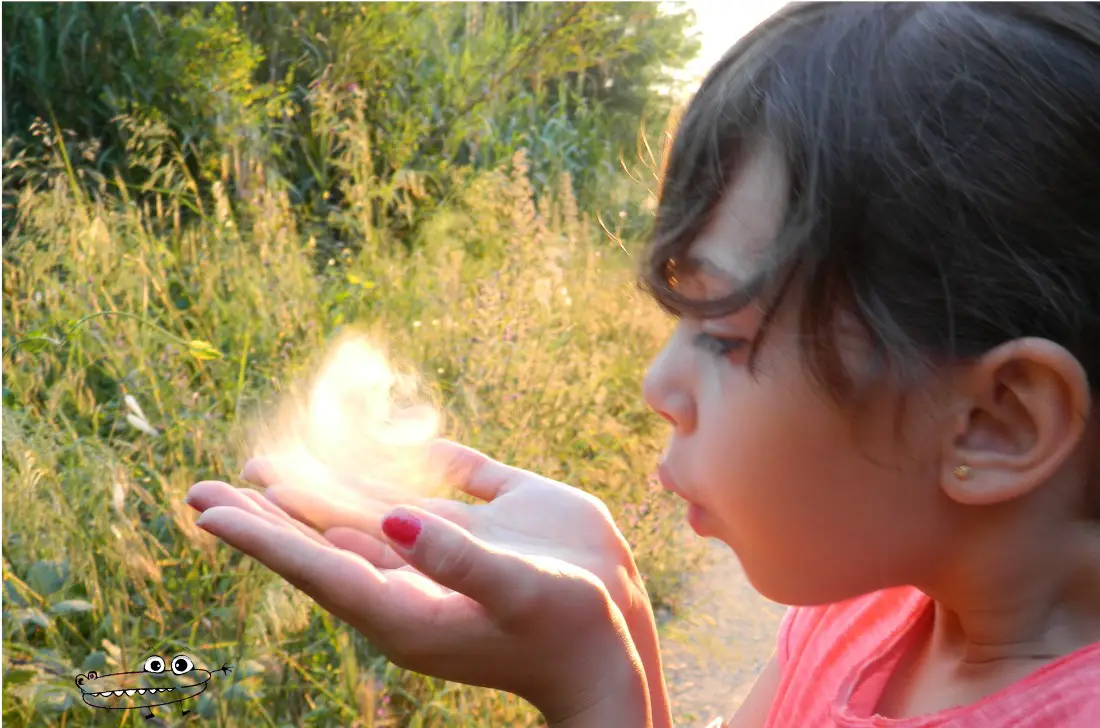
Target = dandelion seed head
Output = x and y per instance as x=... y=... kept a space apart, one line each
x=359 y=424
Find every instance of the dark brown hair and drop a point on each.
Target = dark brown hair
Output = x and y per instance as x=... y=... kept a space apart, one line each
x=945 y=177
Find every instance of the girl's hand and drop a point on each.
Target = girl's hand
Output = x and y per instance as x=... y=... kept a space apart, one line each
x=467 y=611
x=521 y=512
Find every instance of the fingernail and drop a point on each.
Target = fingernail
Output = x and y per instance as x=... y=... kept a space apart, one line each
x=402 y=528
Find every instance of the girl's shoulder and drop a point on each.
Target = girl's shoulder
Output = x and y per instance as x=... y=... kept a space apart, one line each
x=824 y=651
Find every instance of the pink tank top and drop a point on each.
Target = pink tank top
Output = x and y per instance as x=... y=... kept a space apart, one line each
x=836 y=660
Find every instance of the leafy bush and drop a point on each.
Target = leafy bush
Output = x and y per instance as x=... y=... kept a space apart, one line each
x=431 y=86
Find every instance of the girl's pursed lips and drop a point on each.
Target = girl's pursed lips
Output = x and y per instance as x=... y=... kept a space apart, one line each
x=664 y=475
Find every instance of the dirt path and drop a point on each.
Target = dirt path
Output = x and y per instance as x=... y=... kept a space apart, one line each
x=713 y=653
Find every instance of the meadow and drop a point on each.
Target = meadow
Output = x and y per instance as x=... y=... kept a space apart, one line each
x=143 y=332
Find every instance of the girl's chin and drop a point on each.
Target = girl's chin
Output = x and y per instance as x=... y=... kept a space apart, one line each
x=696 y=518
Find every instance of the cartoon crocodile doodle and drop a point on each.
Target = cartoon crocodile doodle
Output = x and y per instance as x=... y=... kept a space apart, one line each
x=152 y=687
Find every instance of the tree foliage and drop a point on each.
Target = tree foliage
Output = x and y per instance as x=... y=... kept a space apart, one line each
x=240 y=87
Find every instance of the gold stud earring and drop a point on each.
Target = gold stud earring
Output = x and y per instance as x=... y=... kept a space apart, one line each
x=963 y=472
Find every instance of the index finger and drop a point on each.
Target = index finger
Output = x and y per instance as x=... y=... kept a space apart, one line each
x=340 y=581
x=210 y=493
x=298 y=469
x=300 y=560
x=471 y=471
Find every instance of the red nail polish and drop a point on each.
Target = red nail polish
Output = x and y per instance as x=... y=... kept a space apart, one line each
x=402 y=529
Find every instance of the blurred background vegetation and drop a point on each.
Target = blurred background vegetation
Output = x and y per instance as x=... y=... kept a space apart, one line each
x=197 y=197
x=249 y=94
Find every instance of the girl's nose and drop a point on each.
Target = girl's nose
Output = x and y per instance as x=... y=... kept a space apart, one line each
x=669 y=399
x=679 y=409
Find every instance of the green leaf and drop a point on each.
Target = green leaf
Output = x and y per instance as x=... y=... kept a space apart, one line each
x=51 y=660
x=53 y=699
x=248 y=668
x=47 y=577
x=25 y=617
x=239 y=691
x=17 y=677
x=9 y=398
x=203 y=350
x=35 y=343
x=94 y=661
x=206 y=707
x=223 y=613
x=12 y=595
x=71 y=606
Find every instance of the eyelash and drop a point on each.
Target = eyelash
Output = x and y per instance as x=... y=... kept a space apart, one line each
x=718 y=346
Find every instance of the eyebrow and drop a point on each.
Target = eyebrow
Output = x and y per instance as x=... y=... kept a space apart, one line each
x=709 y=267
x=746 y=289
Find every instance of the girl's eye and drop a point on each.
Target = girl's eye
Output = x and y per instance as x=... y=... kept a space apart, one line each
x=720 y=346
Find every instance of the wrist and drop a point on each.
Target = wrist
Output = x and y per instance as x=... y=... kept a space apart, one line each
x=643 y=632
x=623 y=700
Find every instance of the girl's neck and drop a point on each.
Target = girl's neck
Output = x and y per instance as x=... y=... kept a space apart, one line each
x=1020 y=597
x=1000 y=619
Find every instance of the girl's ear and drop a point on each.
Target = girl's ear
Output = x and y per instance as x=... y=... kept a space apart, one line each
x=1025 y=407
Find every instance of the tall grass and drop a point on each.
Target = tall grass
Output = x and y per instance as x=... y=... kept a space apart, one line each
x=141 y=333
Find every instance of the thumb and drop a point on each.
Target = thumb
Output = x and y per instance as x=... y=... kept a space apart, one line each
x=454 y=558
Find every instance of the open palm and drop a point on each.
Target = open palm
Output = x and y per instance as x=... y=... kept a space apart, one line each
x=465 y=599
x=519 y=511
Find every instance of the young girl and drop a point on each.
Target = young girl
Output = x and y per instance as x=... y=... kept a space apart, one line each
x=880 y=230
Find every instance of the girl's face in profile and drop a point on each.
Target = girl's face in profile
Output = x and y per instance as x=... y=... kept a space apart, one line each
x=820 y=504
